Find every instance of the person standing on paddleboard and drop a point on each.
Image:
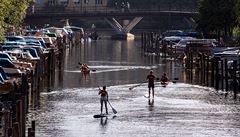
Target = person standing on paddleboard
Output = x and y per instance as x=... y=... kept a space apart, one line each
x=150 y=78
x=104 y=98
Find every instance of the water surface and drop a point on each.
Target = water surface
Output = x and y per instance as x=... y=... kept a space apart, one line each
x=177 y=110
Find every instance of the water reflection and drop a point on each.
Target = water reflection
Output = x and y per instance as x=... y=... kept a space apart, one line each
x=115 y=62
x=103 y=121
x=151 y=104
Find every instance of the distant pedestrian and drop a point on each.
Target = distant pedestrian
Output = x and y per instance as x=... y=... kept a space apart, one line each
x=128 y=6
x=104 y=98
x=116 y=5
x=32 y=9
x=122 y=7
x=150 y=78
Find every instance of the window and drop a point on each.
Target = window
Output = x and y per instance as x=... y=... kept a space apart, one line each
x=64 y=2
x=77 y=2
x=86 y=1
x=51 y=2
x=98 y=2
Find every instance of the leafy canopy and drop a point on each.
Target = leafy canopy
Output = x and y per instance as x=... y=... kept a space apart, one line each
x=12 y=13
x=217 y=16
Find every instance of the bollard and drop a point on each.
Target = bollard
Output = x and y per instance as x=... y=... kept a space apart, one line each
x=144 y=41
x=207 y=73
x=204 y=69
x=32 y=134
x=30 y=95
x=222 y=75
x=52 y=68
x=235 y=79
x=16 y=130
x=29 y=132
x=238 y=78
x=226 y=76
x=191 y=67
x=19 y=116
x=33 y=125
x=10 y=132
x=24 y=112
x=201 y=66
x=217 y=74
x=212 y=72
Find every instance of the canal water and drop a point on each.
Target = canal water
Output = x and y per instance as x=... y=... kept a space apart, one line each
x=177 y=110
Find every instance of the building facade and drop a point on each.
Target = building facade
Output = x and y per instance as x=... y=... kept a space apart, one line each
x=81 y=5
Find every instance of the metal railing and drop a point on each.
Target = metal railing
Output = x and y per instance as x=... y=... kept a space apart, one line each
x=108 y=10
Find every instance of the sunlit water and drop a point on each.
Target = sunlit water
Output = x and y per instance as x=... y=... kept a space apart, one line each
x=176 y=110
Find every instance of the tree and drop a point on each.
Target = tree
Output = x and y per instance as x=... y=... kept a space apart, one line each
x=3 y=14
x=12 y=13
x=237 y=9
x=217 y=17
x=236 y=31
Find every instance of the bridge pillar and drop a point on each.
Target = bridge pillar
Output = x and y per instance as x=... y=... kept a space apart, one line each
x=123 y=31
x=190 y=21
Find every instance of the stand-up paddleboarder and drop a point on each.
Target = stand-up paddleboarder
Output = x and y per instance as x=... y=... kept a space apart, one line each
x=103 y=99
x=150 y=78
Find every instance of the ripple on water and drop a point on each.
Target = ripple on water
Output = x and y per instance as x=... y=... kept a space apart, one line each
x=177 y=110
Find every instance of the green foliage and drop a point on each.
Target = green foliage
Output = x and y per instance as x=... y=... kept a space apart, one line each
x=3 y=11
x=217 y=17
x=17 y=12
x=237 y=9
x=12 y=13
x=236 y=32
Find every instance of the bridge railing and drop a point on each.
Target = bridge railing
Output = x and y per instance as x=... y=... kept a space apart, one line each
x=104 y=9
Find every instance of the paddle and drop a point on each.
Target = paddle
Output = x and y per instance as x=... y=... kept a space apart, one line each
x=114 y=110
x=79 y=63
x=135 y=86
x=138 y=85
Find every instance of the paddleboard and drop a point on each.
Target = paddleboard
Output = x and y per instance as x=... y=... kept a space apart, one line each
x=164 y=84
x=99 y=116
x=146 y=96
